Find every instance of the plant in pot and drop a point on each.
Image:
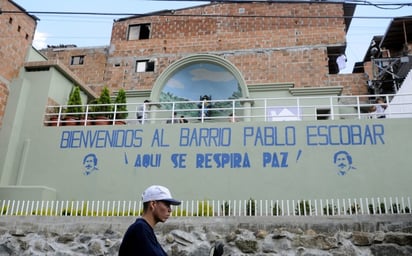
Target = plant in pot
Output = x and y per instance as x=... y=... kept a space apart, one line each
x=54 y=115
x=74 y=110
x=103 y=109
x=120 y=107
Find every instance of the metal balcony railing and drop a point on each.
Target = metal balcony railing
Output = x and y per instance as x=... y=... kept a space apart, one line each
x=236 y=110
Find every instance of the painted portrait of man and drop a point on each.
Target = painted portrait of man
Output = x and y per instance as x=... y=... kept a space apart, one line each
x=90 y=164
x=343 y=162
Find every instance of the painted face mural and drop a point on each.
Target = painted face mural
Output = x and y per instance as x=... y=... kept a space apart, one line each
x=343 y=162
x=90 y=164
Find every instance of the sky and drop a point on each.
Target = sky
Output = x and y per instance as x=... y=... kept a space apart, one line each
x=91 y=30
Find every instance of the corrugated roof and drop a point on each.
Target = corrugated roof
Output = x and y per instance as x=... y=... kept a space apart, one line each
x=398 y=33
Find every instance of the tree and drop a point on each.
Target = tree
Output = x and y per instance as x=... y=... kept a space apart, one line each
x=121 y=108
x=75 y=107
x=104 y=103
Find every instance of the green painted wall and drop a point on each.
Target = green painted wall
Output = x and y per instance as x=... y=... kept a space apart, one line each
x=293 y=164
x=249 y=159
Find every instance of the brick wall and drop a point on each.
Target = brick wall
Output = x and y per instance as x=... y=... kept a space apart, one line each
x=91 y=72
x=265 y=49
x=353 y=84
x=4 y=94
x=275 y=43
x=17 y=31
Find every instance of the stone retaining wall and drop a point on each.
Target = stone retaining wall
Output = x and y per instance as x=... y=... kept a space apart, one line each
x=180 y=236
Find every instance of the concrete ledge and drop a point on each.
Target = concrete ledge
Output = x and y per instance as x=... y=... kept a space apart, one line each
x=27 y=193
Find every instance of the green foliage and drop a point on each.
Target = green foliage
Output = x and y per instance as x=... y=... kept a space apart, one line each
x=190 y=109
x=303 y=208
x=105 y=97
x=379 y=209
x=396 y=208
x=136 y=213
x=204 y=208
x=44 y=212
x=179 y=212
x=226 y=211
x=370 y=207
x=103 y=106
x=121 y=108
x=3 y=210
x=276 y=210
x=75 y=103
x=69 y=212
x=382 y=208
x=354 y=209
x=251 y=207
x=330 y=210
x=85 y=212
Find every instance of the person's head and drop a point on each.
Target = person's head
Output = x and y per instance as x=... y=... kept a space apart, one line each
x=90 y=161
x=342 y=160
x=157 y=201
x=146 y=101
x=379 y=100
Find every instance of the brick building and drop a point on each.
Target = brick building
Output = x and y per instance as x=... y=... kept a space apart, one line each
x=88 y=64
x=17 y=29
x=268 y=42
x=272 y=61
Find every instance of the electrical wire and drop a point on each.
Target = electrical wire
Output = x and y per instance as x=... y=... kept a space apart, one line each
x=385 y=6
x=96 y=17
x=199 y=15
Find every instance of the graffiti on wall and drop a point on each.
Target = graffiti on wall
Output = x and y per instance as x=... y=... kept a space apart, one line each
x=343 y=161
x=219 y=147
x=90 y=164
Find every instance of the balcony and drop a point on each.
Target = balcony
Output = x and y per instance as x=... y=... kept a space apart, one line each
x=236 y=110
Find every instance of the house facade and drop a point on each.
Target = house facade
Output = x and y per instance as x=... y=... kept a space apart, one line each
x=269 y=43
x=300 y=130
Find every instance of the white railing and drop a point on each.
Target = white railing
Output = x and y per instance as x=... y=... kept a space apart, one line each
x=210 y=208
x=261 y=109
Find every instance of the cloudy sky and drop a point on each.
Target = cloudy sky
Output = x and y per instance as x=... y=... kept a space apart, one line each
x=92 y=30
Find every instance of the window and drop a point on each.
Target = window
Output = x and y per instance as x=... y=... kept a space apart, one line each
x=138 y=32
x=77 y=60
x=144 y=66
x=333 y=54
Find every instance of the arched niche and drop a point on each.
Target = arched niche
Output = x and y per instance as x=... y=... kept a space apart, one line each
x=193 y=76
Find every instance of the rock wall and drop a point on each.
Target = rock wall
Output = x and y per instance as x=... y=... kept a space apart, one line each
x=181 y=236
